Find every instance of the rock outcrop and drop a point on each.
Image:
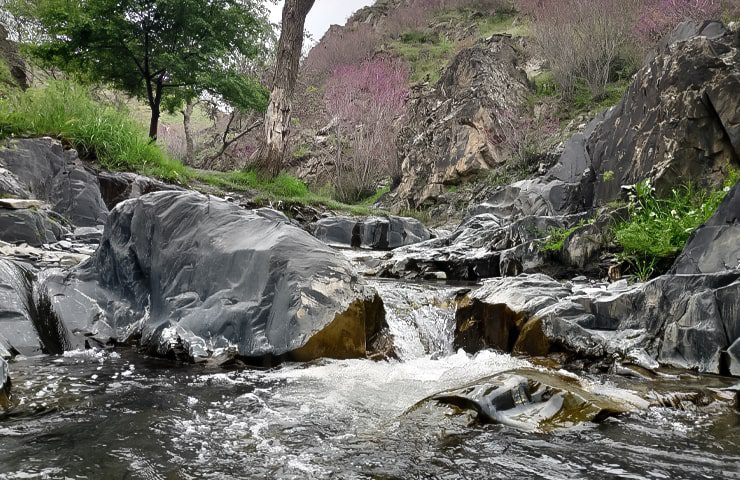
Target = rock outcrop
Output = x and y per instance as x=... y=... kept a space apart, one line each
x=30 y=225
x=376 y=233
x=195 y=276
x=42 y=169
x=18 y=331
x=715 y=246
x=10 y=55
x=677 y=121
x=454 y=131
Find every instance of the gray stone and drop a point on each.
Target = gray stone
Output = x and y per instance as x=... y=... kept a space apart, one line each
x=88 y=234
x=533 y=400
x=115 y=187
x=715 y=246
x=377 y=233
x=733 y=353
x=19 y=203
x=31 y=226
x=677 y=121
x=54 y=175
x=18 y=333
x=192 y=274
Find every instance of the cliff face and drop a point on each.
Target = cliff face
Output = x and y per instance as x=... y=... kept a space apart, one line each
x=455 y=130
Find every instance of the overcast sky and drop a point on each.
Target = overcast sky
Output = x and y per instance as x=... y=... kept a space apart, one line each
x=323 y=14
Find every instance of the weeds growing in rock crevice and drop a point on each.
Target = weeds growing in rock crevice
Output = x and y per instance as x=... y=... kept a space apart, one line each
x=657 y=228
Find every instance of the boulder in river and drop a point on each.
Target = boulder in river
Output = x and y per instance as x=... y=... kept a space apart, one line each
x=194 y=275
x=19 y=326
x=534 y=400
x=376 y=233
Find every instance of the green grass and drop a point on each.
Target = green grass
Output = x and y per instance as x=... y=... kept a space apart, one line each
x=502 y=23
x=556 y=237
x=426 y=55
x=372 y=199
x=657 y=228
x=66 y=111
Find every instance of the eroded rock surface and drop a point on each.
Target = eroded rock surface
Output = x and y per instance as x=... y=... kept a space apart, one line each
x=193 y=275
x=376 y=233
x=454 y=131
x=40 y=168
x=533 y=400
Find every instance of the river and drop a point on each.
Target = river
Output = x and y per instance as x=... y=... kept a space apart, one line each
x=104 y=414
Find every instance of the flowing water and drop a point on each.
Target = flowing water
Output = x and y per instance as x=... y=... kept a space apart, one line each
x=115 y=414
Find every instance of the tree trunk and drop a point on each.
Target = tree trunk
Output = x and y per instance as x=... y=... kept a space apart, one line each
x=269 y=157
x=187 y=113
x=155 y=102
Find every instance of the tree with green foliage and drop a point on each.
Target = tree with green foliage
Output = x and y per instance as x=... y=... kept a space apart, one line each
x=163 y=51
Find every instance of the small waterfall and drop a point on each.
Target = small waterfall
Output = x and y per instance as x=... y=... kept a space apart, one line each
x=421 y=318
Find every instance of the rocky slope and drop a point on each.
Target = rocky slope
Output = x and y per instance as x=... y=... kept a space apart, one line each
x=454 y=131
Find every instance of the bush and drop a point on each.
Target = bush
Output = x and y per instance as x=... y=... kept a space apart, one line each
x=582 y=40
x=67 y=111
x=366 y=101
x=659 y=17
x=657 y=228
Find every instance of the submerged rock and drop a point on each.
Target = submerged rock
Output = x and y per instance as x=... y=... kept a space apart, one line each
x=376 y=233
x=191 y=275
x=534 y=400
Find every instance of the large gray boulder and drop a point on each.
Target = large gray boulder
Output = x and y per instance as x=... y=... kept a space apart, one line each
x=194 y=275
x=678 y=120
x=715 y=246
x=44 y=170
x=454 y=131
x=377 y=233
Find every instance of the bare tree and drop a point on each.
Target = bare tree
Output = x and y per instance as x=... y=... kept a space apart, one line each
x=269 y=157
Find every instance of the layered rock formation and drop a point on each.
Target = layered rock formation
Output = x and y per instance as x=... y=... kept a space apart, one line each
x=454 y=132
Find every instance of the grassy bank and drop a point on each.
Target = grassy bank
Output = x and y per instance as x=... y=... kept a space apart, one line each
x=115 y=140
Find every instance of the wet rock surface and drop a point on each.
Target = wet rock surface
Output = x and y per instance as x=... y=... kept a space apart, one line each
x=192 y=275
x=18 y=333
x=534 y=400
x=376 y=233
x=32 y=226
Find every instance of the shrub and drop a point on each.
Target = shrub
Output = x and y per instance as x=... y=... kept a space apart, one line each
x=67 y=111
x=366 y=101
x=657 y=228
x=659 y=17
x=582 y=39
